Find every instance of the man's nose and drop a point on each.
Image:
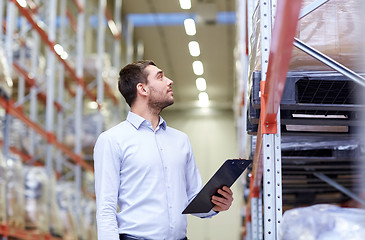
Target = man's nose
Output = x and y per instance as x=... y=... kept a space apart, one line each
x=169 y=81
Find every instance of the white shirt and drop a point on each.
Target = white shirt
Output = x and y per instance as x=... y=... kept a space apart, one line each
x=151 y=175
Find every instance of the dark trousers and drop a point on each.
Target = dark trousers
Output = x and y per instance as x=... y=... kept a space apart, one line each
x=129 y=237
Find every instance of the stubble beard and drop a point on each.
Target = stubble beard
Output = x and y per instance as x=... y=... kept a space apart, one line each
x=158 y=105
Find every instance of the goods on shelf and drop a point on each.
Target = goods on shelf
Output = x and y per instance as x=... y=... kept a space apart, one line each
x=15 y=192
x=91 y=63
x=89 y=134
x=311 y=98
x=25 y=143
x=323 y=221
x=89 y=213
x=91 y=66
x=6 y=82
x=333 y=29
x=37 y=185
x=20 y=138
x=17 y=133
x=65 y=195
x=56 y=224
x=89 y=183
x=2 y=189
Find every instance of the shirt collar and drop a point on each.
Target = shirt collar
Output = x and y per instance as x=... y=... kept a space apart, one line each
x=137 y=121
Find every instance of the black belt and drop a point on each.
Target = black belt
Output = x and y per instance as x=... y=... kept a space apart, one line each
x=129 y=237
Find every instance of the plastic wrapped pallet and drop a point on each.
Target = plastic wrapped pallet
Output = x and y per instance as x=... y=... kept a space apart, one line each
x=56 y=224
x=36 y=184
x=65 y=199
x=333 y=29
x=91 y=67
x=19 y=137
x=323 y=222
x=89 y=135
x=6 y=82
x=89 y=213
x=15 y=192
x=2 y=189
x=16 y=133
x=39 y=142
x=88 y=183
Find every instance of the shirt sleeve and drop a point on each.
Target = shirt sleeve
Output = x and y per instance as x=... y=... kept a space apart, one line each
x=107 y=165
x=194 y=182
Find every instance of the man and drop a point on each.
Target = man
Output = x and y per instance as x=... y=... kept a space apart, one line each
x=146 y=168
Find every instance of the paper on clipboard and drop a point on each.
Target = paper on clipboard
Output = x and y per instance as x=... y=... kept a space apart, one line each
x=226 y=175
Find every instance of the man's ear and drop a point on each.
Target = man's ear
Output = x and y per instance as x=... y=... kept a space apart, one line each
x=141 y=89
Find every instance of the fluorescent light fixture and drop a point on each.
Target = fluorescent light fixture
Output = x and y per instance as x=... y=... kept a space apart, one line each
x=194 y=48
x=22 y=3
x=185 y=4
x=201 y=84
x=198 y=68
x=189 y=25
x=92 y=105
x=203 y=99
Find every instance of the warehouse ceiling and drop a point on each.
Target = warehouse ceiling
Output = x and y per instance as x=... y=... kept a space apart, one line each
x=167 y=44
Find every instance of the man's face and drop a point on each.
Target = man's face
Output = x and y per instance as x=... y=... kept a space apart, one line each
x=159 y=88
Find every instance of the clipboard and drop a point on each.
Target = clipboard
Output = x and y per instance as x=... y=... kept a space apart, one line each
x=226 y=175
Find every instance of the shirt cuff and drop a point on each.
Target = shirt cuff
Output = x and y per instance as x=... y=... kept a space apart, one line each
x=209 y=214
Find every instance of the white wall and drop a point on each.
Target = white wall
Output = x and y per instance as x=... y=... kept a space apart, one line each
x=213 y=138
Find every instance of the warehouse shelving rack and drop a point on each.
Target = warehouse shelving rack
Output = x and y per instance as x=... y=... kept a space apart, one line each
x=265 y=206
x=37 y=22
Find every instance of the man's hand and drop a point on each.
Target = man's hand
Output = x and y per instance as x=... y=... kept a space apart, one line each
x=224 y=202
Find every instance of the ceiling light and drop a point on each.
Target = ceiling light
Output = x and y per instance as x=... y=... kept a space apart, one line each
x=203 y=99
x=185 y=4
x=189 y=25
x=198 y=68
x=201 y=84
x=194 y=48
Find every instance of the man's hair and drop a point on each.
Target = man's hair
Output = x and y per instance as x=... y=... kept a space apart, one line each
x=130 y=76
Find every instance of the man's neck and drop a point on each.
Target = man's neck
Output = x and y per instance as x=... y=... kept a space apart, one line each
x=149 y=114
